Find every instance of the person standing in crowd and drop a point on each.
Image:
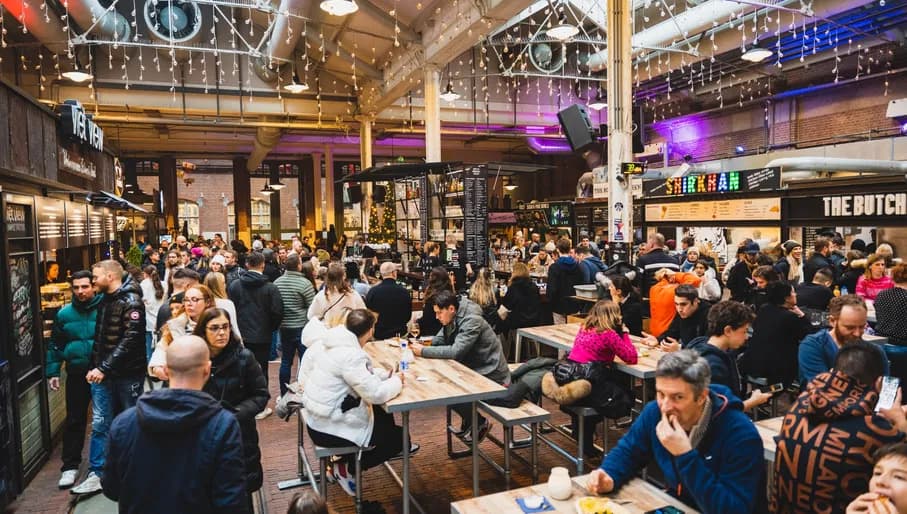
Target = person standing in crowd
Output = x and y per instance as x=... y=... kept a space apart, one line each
x=890 y=306
x=260 y=312
x=874 y=279
x=438 y=280
x=172 y=264
x=71 y=341
x=181 y=280
x=118 y=360
x=354 y=277
x=340 y=390
x=687 y=243
x=654 y=259
x=777 y=331
x=690 y=321
x=196 y=300
x=622 y=294
x=847 y=319
x=790 y=267
x=823 y=459
x=818 y=259
x=740 y=279
x=563 y=276
x=852 y=271
x=590 y=264
x=696 y=432
x=661 y=299
x=238 y=383
x=217 y=283
x=763 y=275
x=391 y=302
x=817 y=294
x=154 y=259
x=218 y=264
x=153 y=298
x=297 y=294
x=272 y=268
x=522 y=301
x=709 y=288
x=691 y=257
x=468 y=339
x=175 y=441
x=232 y=266
x=336 y=298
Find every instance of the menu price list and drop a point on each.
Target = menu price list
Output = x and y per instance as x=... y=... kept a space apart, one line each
x=475 y=205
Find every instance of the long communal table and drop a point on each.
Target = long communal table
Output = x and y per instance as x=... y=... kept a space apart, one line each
x=432 y=383
x=768 y=429
x=636 y=497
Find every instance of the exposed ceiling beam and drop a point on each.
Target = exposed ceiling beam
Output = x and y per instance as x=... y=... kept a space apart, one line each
x=406 y=33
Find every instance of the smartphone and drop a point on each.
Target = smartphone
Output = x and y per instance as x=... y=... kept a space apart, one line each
x=772 y=389
x=888 y=394
x=665 y=510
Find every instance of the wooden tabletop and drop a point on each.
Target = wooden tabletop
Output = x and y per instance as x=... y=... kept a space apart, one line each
x=642 y=497
x=561 y=337
x=768 y=429
x=432 y=382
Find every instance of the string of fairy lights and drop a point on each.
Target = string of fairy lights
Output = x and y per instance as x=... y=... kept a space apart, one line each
x=499 y=69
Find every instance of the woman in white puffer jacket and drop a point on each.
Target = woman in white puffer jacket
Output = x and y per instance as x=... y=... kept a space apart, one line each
x=340 y=390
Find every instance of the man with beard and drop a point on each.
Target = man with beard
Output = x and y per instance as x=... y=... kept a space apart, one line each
x=847 y=319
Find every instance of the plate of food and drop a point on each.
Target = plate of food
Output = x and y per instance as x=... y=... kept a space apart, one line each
x=595 y=505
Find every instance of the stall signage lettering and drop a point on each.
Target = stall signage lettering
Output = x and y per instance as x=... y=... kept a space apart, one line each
x=697 y=184
x=78 y=125
x=878 y=204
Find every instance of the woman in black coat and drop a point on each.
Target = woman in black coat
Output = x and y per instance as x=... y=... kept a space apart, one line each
x=522 y=300
x=237 y=383
x=622 y=294
x=777 y=331
x=438 y=280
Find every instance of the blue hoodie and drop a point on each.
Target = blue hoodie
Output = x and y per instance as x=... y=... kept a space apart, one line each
x=721 y=476
x=817 y=354
x=563 y=275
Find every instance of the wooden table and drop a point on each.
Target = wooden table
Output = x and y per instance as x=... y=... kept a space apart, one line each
x=642 y=497
x=431 y=383
x=768 y=429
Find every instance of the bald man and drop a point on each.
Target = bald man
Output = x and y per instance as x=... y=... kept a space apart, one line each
x=391 y=301
x=180 y=440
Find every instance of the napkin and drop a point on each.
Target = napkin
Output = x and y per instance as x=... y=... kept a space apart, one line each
x=546 y=506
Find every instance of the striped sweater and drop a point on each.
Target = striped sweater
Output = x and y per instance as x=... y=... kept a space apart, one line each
x=297 y=294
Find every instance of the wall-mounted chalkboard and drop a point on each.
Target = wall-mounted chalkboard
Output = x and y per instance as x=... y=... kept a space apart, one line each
x=26 y=350
x=18 y=220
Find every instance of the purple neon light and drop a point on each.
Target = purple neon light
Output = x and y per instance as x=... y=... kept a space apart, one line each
x=548 y=145
x=535 y=130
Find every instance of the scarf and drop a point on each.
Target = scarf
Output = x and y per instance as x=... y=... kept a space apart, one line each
x=699 y=429
x=795 y=273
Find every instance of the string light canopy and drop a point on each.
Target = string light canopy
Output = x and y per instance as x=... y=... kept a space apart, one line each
x=339 y=7
x=756 y=53
x=449 y=95
x=78 y=73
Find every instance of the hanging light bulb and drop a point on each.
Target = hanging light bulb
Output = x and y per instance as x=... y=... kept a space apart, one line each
x=339 y=7
x=78 y=73
x=756 y=53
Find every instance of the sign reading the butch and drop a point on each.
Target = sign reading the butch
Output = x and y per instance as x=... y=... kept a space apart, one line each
x=77 y=125
x=862 y=205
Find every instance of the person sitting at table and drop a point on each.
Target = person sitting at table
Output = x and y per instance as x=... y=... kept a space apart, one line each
x=483 y=293
x=541 y=260
x=438 y=280
x=522 y=302
x=874 y=280
x=708 y=450
x=470 y=340
x=661 y=298
x=816 y=294
x=691 y=321
x=888 y=485
x=890 y=306
x=622 y=294
x=340 y=390
x=822 y=459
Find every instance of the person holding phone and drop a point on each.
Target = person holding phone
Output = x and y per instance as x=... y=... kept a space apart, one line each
x=708 y=450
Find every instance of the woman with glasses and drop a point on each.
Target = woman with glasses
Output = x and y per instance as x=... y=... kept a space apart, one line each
x=236 y=382
x=196 y=300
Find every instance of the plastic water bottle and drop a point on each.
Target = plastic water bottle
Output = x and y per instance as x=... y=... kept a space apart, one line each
x=843 y=290
x=406 y=356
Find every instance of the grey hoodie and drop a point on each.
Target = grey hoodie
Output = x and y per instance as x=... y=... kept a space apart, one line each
x=471 y=341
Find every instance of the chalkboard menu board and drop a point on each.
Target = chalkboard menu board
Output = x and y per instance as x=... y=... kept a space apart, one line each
x=18 y=220
x=26 y=351
x=475 y=207
x=96 y=233
x=76 y=224
x=51 y=217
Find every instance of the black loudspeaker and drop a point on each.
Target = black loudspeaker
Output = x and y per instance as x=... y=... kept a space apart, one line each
x=577 y=127
x=379 y=193
x=639 y=129
x=355 y=192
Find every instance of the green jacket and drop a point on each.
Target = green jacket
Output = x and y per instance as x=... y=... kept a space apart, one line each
x=72 y=336
x=297 y=294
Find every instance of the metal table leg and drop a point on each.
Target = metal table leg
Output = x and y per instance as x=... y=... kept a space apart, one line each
x=405 y=416
x=518 y=341
x=475 y=450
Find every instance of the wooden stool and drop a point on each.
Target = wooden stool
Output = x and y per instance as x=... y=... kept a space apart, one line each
x=527 y=413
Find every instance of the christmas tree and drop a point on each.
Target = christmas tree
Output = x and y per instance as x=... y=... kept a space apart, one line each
x=389 y=228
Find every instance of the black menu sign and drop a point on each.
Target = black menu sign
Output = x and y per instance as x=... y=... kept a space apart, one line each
x=424 y=202
x=76 y=224
x=475 y=207
x=26 y=354
x=17 y=220
x=96 y=232
x=51 y=218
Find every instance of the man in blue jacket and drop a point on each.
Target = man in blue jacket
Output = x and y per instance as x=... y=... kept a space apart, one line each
x=708 y=450
x=178 y=450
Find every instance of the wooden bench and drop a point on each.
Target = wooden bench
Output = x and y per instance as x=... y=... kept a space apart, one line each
x=527 y=413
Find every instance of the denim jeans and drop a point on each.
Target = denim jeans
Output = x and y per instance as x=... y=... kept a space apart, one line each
x=109 y=398
x=149 y=344
x=275 y=342
x=290 y=345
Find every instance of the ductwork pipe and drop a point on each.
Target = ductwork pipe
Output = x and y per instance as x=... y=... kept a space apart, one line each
x=819 y=164
x=49 y=32
x=284 y=38
x=106 y=22
x=265 y=140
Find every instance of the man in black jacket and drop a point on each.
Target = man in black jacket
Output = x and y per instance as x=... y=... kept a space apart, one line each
x=259 y=309
x=691 y=321
x=819 y=260
x=818 y=293
x=653 y=260
x=563 y=276
x=118 y=360
x=178 y=450
x=392 y=303
x=740 y=279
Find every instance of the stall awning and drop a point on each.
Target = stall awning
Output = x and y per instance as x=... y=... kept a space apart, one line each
x=397 y=171
x=105 y=199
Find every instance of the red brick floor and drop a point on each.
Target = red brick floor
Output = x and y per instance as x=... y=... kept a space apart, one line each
x=436 y=480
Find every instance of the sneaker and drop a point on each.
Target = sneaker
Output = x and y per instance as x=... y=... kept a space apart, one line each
x=413 y=448
x=68 y=478
x=264 y=414
x=91 y=484
x=484 y=427
x=343 y=477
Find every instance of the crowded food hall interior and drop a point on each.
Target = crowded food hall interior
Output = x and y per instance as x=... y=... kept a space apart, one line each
x=468 y=256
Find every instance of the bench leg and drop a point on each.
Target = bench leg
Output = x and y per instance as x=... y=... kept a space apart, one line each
x=359 y=482
x=534 y=428
x=323 y=485
x=581 y=422
x=448 y=434
x=508 y=437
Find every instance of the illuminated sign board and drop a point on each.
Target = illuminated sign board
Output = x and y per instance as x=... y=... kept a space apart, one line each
x=743 y=181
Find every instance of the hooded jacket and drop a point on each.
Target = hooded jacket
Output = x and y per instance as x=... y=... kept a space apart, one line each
x=720 y=476
x=176 y=451
x=816 y=354
x=471 y=341
x=722 y=363
x=563 y=276
x=260 y=307
x=590 y=266
x=816 y=262
x=119 y=341
x=525 y=304
x=823 y=459
x=72 y=336
x=238 y=384
x=685 y=330
x=333 y=368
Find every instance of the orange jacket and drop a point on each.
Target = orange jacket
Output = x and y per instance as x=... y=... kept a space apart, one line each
x=661 y=301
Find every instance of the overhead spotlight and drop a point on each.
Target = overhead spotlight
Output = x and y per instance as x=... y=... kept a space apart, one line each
x=739 y=150
x=449 y=95
x=756 y=53
x=904 y=128
x=599 y=103
x=339 y=7
x=563 y=30
x=267 y=191
x=297 y=86
x=510 y=186
x=78 y=73
x=275 y=186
